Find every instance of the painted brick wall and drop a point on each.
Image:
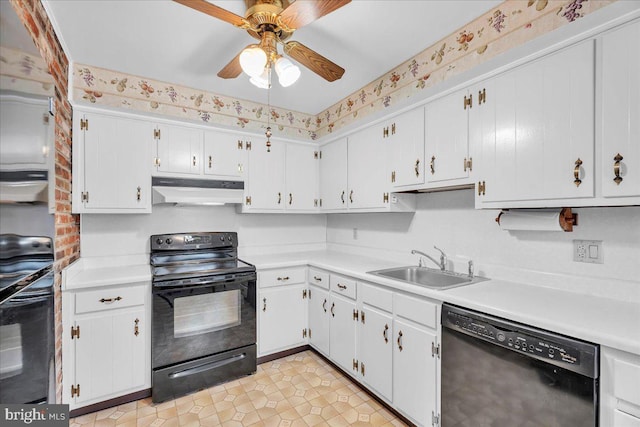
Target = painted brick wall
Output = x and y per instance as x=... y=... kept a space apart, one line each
x=67 y=226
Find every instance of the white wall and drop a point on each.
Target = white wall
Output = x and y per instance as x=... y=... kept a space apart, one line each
x=449 y=221
x=108 y=235
x=26 y=220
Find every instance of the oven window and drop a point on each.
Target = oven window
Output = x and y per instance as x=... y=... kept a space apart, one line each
x=201 y=314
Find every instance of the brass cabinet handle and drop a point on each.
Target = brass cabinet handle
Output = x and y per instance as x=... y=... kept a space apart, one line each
x=324 y=305
x=576 y=173
x=432 y=164
x=400 y=340
x=384 y=333
x=317 y=279
x=283 y=279
x=342 y=197
x=110 y=300
x=343 y=287
x=333 y=305
x=194 y=160
x=279 y=198
x=417 y=168
x=616 y=168
x=139 y=194
x=210 y=161
x=264 y=304
x=351 y=196
x=135 y=328
x=290 y=198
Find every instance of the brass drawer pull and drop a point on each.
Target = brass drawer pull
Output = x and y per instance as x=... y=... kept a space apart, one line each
x=400 y=340
x=324 y=305
x=135 y=328
x=109 y=300
x=210 y=161
x=279 y=198
x=384 y=333
x=576 y=173
x=290 y=198
x=285 y=278
x=432 y=164
x=343 y=287
x=194 y=160
x=317 y=279
x=342 y=197
x=333 y=305
x=264 y=304
x=616 y=168
x=351 y=196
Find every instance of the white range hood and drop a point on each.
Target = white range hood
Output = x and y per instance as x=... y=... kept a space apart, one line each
x=196 y=191
x=23 y=187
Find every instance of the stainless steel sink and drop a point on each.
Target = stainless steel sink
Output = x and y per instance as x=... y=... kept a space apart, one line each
x=427 y=277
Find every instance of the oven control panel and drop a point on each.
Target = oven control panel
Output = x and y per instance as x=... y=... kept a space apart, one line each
x=542 y=345
x=187 y=241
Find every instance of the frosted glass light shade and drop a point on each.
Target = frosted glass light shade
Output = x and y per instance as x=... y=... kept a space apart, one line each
x=253 y=60
x=288 y=73
x=261 y=81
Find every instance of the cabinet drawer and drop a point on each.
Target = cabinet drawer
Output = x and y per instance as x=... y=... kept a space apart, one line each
x=376 y=297
x=626 y=381
x=318 y=278
x=620 y=419
x=282 y=276
x=417 y=310
x=109 y=298
x=343 y=286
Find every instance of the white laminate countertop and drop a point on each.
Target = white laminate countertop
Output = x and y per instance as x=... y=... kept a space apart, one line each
x=609 y=322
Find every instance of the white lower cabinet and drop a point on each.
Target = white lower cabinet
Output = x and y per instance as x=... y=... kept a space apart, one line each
x=282 y=310
x=376 y=350
x=619 y=388
x=342 y=341
x=319 y=314
x=106 y=343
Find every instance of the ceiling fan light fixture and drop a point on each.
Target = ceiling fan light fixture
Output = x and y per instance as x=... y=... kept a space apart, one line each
x=261 y=81
x=288 y=72
x=253 y=60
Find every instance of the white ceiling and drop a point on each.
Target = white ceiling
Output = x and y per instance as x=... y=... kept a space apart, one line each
x=163 y=40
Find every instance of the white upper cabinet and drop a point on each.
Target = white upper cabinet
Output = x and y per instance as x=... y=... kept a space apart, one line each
x=404 y=138
x=223 y=155
x=179 y=150
x=265 y=177
x=537 y=137
x=621 y=112
x=301 y=177
x=367 y=171
x=333 y=176
x=447 y=138
x=111 y=170
x=25 y=134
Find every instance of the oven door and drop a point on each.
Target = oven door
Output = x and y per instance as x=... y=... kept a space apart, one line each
x=212 y=316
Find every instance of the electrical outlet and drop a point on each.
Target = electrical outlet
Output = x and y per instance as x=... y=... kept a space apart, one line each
x=590 y=251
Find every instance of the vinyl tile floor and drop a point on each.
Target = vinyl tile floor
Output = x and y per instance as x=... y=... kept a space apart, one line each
x=297 y=390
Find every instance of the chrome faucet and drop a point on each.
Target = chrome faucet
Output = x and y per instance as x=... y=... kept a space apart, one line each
x=443 y=259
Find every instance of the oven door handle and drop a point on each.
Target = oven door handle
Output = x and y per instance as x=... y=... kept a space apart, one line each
x=207 y=366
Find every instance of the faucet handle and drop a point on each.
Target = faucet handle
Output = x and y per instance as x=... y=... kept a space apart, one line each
x=443 y=258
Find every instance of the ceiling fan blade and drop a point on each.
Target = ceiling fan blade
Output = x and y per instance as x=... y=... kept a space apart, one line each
x=303 y=12
x=215 y=11
x=232 y=69
x=314 y=61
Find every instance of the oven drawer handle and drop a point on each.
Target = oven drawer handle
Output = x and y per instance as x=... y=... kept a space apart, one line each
x=400 y=340
x=110 y=300
x=285 y=278
x=264 y=304
x=207 y=366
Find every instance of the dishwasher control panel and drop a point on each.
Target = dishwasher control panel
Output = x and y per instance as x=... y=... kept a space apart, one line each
x=542 y=345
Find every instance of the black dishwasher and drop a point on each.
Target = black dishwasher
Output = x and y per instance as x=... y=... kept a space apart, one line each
x=500 y=373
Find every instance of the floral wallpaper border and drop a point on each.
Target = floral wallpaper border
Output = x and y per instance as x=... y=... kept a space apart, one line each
x=23 y=72
x=508 y=25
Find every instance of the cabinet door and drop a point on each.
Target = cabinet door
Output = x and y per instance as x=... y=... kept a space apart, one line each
x=222 y=155
x=446 y=138
x=405 y=147
x=333 y=175
x=110 y=356
x=116 y=163
x=342 y=343
x=319 y=316
x=282 y=318
x=367 y=174
x=621 y=112
x=179 y=150
x=301 y=177
x=414 y=372
x=24 y=132
x=375 y=351
x=265 y=176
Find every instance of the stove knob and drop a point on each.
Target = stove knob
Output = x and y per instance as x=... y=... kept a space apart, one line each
x=169 y=241
x=159 y=241
x=222 y=238
x=229 y=238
